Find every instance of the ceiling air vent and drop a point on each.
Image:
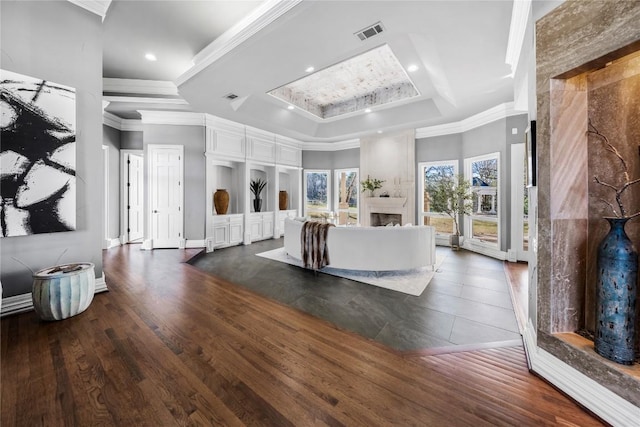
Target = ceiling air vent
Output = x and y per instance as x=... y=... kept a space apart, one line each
x=370 y=31
x=230 y=96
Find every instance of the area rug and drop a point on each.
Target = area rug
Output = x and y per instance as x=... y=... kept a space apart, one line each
x=412 y=282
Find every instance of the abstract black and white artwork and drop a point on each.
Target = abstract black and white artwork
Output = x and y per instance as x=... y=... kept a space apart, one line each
x=37 y=156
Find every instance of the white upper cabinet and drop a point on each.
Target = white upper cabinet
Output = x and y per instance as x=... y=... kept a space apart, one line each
x=225 y=139
x=288 y=152
x=261 y=146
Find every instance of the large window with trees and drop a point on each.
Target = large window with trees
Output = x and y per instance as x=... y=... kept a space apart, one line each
x=484 y=222
x=431 y=174
x=346 y=191
x=317 y=193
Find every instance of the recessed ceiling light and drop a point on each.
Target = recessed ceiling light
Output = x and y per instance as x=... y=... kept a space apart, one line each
x=290 y=107
x=379 y=131
x=150 y=57
x=411 y=68
x=309 y=69
x=367 y=110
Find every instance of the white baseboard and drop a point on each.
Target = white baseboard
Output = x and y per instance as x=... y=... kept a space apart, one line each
x=147 y=245
x=23 y=302
x=195 y=244
x=112 y=243
x=600 y=400
x=481 y=249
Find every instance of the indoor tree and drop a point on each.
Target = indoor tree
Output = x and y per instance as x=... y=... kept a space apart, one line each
x=452 y=195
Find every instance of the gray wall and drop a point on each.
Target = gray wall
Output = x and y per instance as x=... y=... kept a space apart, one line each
x=193 y=140
x=111 y=139
x=342 y=159
x=131 y=140
x=61 y=42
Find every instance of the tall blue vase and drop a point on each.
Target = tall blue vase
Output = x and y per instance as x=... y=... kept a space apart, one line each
x=616 y=295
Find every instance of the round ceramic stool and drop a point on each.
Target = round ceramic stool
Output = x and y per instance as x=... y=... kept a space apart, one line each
x=63 y=291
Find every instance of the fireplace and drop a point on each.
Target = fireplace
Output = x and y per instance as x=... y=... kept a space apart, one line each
x=379 y=219
x=377 y=211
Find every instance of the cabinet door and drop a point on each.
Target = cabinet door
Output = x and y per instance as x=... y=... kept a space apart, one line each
x=220 y=234
x=256 y=230
x=235 y=232
x=267 y=228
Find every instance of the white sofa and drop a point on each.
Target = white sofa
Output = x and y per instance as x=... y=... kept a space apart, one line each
x=371 y=248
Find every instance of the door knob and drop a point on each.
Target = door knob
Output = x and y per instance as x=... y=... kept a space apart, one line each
x=155 y=211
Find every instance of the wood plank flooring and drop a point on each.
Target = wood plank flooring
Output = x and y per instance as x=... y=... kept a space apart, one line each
x=171 y=345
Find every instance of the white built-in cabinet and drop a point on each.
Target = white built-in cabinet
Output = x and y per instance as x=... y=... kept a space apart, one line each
x=228 y=230
x=235 y=155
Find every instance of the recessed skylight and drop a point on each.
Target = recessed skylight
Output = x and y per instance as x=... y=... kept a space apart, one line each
x=309 y=69
x=150 y=57
x=364 y=81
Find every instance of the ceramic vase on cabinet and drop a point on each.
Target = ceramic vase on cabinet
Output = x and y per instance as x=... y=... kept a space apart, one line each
x=63 y=291
x=283 y=200
x=221 y=201
x=257 y=205
x=616 y=294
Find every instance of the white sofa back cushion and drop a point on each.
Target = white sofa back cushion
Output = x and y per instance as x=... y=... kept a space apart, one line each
x=371 y=248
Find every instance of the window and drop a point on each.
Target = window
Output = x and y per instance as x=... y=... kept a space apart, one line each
x=347 y=191
x=484 y=223
x=432 y=173
x=316 y=193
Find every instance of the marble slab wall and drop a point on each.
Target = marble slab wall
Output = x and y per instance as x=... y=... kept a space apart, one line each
x=614 y=109
x=575 y=39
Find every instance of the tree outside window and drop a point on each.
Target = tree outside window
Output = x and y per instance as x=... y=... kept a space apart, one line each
x=316 y=193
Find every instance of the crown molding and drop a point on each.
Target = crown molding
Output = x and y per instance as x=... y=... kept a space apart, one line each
x=145 y=100
x=264 y=15
x=99 y=7
x=111 y=120
x=140 y=87
x=517 y=30
x=288 y=142
x=331 y=146
x=181 y=118
x=259 y=134
x=491 y=115
x=131 y=125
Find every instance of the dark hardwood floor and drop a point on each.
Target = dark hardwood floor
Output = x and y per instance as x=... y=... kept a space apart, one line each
x=172 y=345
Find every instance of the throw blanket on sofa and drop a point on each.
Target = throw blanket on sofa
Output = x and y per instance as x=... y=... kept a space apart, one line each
x=313 y=244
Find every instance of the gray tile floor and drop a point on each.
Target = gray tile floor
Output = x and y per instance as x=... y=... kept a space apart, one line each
x=467 y=301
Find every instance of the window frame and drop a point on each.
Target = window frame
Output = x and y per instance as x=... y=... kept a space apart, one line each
x=468 y=219
x=326 y=211
x=422 y=166
x=336 y=201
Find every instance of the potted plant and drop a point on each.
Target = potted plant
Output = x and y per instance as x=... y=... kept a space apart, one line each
x=452 y=196
x=371 y=184
x=256 y=186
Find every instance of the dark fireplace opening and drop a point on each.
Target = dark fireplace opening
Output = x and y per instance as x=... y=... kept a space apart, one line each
x=382 y=219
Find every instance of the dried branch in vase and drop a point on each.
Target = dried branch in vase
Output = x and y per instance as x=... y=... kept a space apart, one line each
x=622 y=213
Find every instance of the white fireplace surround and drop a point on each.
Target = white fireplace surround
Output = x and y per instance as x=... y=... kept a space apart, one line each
x=391 y=159
x=385 y=205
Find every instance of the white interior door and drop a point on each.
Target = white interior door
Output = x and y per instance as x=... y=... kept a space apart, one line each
x=166 y=195
x=135 y=195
